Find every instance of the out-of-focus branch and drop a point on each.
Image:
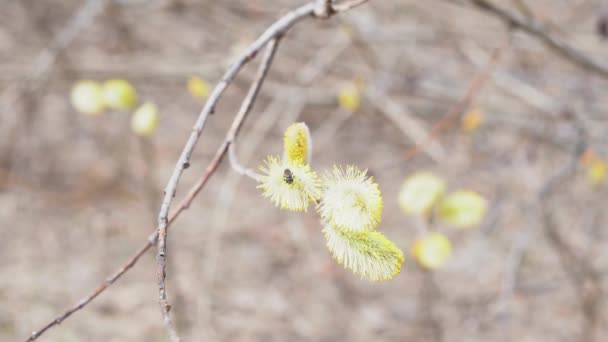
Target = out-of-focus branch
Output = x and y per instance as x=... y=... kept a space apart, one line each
x=536 y=29
x=584 y=277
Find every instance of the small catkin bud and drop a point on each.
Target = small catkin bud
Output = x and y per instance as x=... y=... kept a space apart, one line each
x=198 y=88
x=119 y=94
x=432 y=251
x=462 y=209
x=420 y=192
x=87 y=97
x=349 y=97
x=297 y=143
x=144 y=121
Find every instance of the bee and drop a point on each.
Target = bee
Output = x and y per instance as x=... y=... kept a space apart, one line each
x=288 y=176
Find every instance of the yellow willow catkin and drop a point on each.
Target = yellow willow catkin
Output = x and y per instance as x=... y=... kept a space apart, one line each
x=297 y=143
x=367 y=253
x=350 y=199
x=289 y=185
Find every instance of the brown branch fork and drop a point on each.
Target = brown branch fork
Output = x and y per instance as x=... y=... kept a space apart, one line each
x=270 y=38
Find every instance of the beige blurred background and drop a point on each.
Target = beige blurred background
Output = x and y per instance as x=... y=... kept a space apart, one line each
x=79 y=194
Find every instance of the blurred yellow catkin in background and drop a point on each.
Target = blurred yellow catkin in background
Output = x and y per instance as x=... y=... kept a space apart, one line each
x=119 y=94
x=198 y=88
x=432 y=250
x=349 y=96
x=144 y=121
x=419 y=192
x=596 y=172
x=462 y=208
x=87 y=97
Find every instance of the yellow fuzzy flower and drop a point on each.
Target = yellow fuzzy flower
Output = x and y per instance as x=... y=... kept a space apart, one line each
x=367 y=253
x=419 y=192
x=350 y=200
x=432 y=250
x=462 y=209
x=297 y=143
x=289 y=185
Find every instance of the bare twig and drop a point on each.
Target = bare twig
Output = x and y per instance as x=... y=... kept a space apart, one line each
x=323 y=9
x=151 y=241
x=238 y=167
x=536 y=29
x=230 y=137
x=275 y=30
x=271 y=34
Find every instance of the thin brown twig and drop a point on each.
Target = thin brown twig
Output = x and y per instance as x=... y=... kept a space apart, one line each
x=275 y=30
x=323 y=9
x=531 y=26
x=238 y=167
x=272 y=33
x=151 y=241
x=230 y=137
x=183 y=205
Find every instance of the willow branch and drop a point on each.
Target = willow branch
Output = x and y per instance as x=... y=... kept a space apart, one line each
x=583 y=276
x=230 y=137
x=238 y=167
x=272 y=33
x=275 y=30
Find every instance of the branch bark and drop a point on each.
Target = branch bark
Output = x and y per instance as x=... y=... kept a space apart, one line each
x=244 y=110
x=269 y=37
